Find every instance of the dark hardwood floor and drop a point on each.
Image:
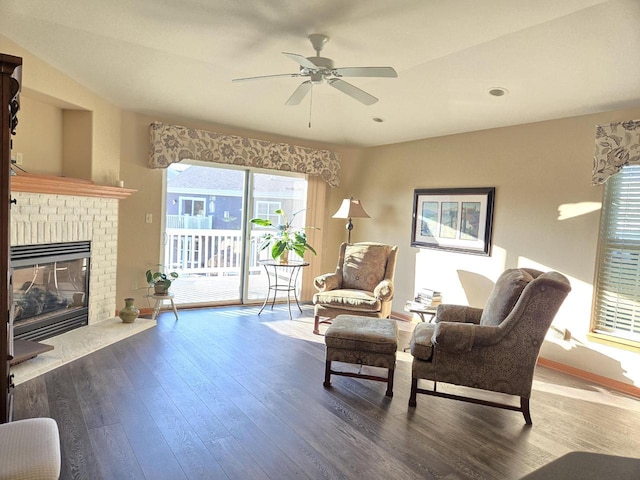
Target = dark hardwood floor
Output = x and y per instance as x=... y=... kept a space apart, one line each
x=225 y=394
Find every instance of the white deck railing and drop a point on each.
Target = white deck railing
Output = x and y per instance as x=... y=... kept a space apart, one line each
x=189 y=221
x=192 y=251
x=216 y=254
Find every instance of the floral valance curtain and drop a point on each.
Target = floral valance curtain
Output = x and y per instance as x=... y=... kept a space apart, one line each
x=617 y=145
x=172 y=143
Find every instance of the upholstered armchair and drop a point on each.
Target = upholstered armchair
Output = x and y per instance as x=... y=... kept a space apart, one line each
x=361 y=285
x=495 y=348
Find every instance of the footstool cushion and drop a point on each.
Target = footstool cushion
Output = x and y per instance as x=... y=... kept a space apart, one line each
x=362 y=341
x=350 y=332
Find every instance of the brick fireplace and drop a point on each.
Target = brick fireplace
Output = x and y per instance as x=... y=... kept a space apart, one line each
x=52 y=210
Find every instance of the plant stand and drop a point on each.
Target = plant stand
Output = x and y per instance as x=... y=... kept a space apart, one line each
x=160 y=301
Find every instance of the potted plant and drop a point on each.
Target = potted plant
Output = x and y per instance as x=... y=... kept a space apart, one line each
x=160 y=280
x=285 y=239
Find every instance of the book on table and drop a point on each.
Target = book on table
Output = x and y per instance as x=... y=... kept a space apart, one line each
x=427 y=297
x=419 y=306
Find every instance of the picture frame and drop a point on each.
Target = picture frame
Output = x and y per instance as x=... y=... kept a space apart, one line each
x=453 y=219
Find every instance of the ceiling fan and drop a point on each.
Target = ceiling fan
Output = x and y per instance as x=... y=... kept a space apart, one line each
x=320 y=69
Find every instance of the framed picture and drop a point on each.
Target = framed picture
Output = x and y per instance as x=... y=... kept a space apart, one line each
x=455 y=219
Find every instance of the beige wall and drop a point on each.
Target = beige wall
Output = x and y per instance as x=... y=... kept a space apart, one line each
x=42 y=82
x=77 y=143
x=538 y=170
x=39 y=136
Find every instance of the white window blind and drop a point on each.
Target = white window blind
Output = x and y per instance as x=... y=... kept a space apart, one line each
x=617 y=306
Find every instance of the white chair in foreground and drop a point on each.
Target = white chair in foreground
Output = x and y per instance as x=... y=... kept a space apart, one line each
x=30 y=450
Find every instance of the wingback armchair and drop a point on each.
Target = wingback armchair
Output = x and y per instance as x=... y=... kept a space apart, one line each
x=361 y=285
x=495 y=348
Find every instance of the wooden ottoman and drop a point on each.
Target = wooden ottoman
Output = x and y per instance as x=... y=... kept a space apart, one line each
x=362 y=341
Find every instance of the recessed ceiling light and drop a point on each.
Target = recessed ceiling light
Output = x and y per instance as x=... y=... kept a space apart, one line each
x=498 y=91
x=378 y=119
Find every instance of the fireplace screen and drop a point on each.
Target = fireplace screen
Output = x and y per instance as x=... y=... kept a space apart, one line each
x=50 y=289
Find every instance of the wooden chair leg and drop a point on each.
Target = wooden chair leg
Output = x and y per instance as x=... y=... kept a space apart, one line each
x=524 y=406
x=414 y=392
x=317 y=320
x=389 y=392
x=327 y=374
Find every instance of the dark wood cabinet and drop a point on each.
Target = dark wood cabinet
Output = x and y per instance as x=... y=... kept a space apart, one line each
x=10 y=68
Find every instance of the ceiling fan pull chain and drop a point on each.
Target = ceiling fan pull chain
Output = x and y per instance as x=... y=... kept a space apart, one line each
x=310 y=104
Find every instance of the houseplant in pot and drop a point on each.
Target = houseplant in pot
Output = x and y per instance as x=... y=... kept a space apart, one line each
x=286 y=237
x=160 y=280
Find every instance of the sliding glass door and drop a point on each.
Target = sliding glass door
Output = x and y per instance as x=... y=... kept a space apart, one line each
x=271 y=193
x=208 y=237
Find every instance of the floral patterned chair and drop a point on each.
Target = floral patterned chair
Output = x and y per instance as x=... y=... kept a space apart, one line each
x=495 y=348
x=362 y=284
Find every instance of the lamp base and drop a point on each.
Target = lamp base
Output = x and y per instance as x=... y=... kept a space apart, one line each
x=349 y=227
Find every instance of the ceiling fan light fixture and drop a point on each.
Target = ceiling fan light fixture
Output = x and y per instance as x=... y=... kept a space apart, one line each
x=316 y=78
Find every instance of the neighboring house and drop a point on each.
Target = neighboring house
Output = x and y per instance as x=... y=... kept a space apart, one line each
x=211 y=198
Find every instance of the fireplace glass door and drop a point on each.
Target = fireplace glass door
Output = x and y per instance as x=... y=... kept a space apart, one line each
x=50 y=292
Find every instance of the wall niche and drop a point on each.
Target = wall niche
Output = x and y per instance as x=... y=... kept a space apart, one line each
x=53 y=138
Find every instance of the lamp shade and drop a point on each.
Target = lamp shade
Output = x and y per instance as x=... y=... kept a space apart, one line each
x=351 y=208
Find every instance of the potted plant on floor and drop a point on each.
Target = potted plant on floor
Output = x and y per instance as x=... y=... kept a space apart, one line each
x=160 y=280
x=285 y=239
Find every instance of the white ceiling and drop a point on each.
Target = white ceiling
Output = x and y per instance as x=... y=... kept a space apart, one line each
x=557 y=58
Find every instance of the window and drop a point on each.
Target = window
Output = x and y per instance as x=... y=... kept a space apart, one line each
x=192 y=206
x=617 y=302
x=267 y=210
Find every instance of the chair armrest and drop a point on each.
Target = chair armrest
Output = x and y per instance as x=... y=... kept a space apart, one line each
x=455 y=337
x=462 y=337
x=458 y=314
x=328 y=281
x=384 y=290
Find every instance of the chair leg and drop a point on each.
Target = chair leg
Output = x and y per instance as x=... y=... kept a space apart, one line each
x=414 y=392
x=327 y=373
x=317 y=320
x=389 y=392
x=524 y=406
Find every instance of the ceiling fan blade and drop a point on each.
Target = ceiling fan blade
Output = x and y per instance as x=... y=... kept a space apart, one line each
x=266 y=76
x=352 y=91
x=304 y=61
x=300 y=93
x=386 y=72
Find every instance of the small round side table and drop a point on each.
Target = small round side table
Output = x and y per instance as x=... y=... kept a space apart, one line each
x=160 y=301
x=288 y=281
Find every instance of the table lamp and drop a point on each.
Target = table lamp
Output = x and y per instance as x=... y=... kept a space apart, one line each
x=350 y=208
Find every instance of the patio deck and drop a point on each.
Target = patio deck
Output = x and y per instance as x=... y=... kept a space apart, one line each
x=220 y=289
